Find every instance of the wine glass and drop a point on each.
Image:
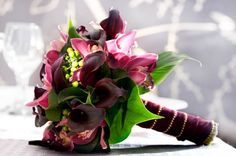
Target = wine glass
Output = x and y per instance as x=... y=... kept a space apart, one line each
x=23 y=50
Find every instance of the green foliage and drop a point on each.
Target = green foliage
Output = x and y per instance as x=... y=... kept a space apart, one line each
x=53 y=114
x=166 y=63
x=118 y=74
x=71 y=93
x=52 y=99
x=127 y=112
x=72 y=30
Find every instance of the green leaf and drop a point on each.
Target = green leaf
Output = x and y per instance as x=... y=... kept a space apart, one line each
x=118 y=74
x=166 y=63
x=71 y=93
x=53 y=114
x=64 y=48
x=143 y=89
x=72 y=30
x=52 y=99
x=89 y=100
x=125 y=114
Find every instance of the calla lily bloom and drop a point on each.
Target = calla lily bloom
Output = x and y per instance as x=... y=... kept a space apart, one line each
x=107 y=93
x=113 y=25
x=40 y=118
x=92 y=62
x=84 y=117
x=59 y=81
x=47 y=86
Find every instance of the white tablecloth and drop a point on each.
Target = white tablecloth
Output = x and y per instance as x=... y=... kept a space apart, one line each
x=16 y=130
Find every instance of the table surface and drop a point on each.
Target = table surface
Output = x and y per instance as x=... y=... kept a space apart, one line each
x=140 y=142
x=16 y=130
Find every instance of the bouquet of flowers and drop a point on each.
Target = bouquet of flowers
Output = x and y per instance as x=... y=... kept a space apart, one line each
x=91 y=87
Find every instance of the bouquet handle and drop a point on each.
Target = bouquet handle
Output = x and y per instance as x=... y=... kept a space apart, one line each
x=181 y=125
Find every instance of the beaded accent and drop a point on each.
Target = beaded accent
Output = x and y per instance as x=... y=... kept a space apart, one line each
x=155 y=121
x=184 y=124
x=171 y=123
x=213 y=133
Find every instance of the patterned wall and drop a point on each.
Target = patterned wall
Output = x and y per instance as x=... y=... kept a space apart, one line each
x=201 y=28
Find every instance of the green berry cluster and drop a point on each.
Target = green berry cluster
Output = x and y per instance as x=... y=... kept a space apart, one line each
x=65 y=113
x=72 y=62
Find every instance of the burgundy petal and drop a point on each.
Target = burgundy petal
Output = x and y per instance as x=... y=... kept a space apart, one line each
x=40 y=118
x=113 y=24
x=91 y=64
x=42 y=72
x=59 y=81
x=82 y=30
x=85 y=117
x=38 y=92
x=107 y=93
x=98 y=36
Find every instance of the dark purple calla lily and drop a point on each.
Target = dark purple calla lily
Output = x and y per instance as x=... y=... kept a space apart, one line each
x=38 y=92
x=107 y=93
x=42 y=72
x=40 y=118
x=113 y=25
x=85 y=117
x=82 y=30
x=98 y=36
x=92 y=62
x=59 y=81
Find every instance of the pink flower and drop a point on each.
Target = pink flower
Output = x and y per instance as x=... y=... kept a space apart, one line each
x=85 y=47
x=42 y=100
x=119 y=56
x=137 y=67
x=122 y=43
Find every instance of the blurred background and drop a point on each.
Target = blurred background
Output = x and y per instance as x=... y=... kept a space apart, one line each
x=203 y=29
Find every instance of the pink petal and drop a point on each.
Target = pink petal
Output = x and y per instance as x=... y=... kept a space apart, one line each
x=111 y=46
x=57 y=45
x=62 y=31
x=75 y=76
x=48 y=77
x=122 y=58
x=102 y=141
x=137 y=77
x=146 y=60
x=42 y=101
x=81 y=45
x=52 y=56
x=126 y=41
x=84 y=137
